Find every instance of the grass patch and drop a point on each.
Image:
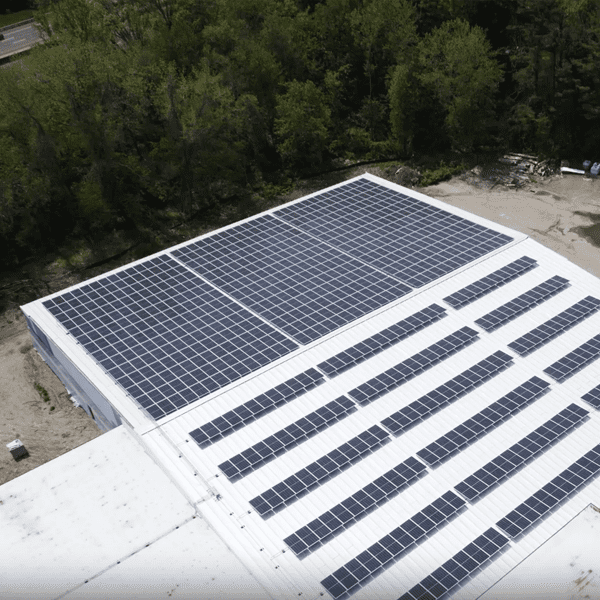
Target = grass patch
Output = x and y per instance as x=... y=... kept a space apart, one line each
x=17 y=17
x=42 y=392
x=442 y=173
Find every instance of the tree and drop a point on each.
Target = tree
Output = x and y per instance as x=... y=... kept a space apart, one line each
x=458 y=68
x=302 y=124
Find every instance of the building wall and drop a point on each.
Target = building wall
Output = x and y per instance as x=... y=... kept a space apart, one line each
x=77 y=384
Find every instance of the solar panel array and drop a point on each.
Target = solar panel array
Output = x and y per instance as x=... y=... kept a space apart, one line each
x=483 y=422
x=344 y=514
x=421 y=409
x=380 y=341
x=545 y=500
x=289 y=437
x=507 y=463
x=301 y=285
x=555 y=326
x=391 y=547
x=404 y=237
x=317 y=473
x=167 y=337
x=459 y=568
x=575 y=361
x=593 y=397
x=411 y=367
x=257 y=407
x=490 y=282
x=521 y=304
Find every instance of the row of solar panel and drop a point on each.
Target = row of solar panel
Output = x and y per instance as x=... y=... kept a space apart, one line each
x=555 y=326
x=521 y=304
x=389 y=549
x=483 y=422
x=413 y=366
x=490 y=282
x=540 y=504
x=445 y=394
x=257 y=407
x=593 y=397
x=468 y=561
x=575 y=361
x=256 y=456
x=483 y=480
x=334 y=521
x=358 y=571
x=382 y=340
x=460 y=567
x=322 y=470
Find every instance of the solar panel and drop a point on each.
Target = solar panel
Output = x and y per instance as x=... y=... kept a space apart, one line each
x=289 y=437
x=332 y=522
x=521 y=304
x=483 y=422
x=380 y=341
x=303 y=286
x=575 y=361
x=504 y=465
x=555 y=326
x=322 y=470
x=593 y=397
x=459 y=568
x=413 y=366
x=239 y=417
x=546 y=499
x=490 y=282
x=167 y=337
x=370 y=563
x=398 y=234
x=421 y=409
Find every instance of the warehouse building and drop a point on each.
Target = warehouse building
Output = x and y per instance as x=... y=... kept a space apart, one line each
x=363 y=393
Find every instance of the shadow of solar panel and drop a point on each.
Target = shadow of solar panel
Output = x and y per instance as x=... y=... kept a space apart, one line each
x=483 y=422
x=331 y=523
x=460 y=568
x=319 y=472
x=257 y=407
x=593 y=397
x=575 y=361
x=521 y=304
x=301 y=285
x=167 y=337
x=413 y=366
x=389 y=549
x=554 y=327
x=490 y=282
x=547 y=499
x=421 y=409
x=380 y=341
x=289 y=437
x=519 y=454
x=396 y=233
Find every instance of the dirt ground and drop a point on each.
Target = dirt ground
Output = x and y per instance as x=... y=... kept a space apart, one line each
x=561 y=212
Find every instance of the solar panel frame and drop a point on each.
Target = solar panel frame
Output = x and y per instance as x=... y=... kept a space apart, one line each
x=475 y=486
x=404 y=419
x=521 y=304
x=476 y=290
x=298 y=283
x=416 y=242
x=304 y=540
x=133 y=311
x=552 y=328
x=575 y=361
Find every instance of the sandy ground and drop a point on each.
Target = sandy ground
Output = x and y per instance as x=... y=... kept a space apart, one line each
x=563 y=213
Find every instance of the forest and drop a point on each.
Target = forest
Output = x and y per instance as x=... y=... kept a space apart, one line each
x=137 y=112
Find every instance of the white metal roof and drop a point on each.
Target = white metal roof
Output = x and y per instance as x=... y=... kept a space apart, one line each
x=259 y=543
